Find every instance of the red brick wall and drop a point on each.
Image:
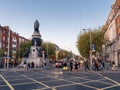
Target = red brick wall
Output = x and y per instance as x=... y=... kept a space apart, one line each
x=117 y=21
x=4 y=38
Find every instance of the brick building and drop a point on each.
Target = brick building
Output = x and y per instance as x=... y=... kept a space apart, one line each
x=14 y=41
x=112 y=27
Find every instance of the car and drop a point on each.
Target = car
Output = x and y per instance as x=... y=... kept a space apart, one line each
x=59 y=64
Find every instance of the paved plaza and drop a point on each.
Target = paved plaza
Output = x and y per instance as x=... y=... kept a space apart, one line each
x=56 y=79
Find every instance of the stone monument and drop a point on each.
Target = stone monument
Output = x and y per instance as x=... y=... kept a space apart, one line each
x=34 y=54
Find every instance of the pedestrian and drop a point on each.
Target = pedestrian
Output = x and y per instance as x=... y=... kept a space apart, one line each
x=76 y=66
x=102 y=65
x=65 y=68
x=86 y=64
x=71 y=65
x=96 y=64
x=32 y=64
x=108 y=65
x=29 y=66
x=113 y=66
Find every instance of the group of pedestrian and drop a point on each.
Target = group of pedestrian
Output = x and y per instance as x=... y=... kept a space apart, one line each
x=30 y=65
x=73 y=65
x=76 y=65
x=98 y=64
x=114 y=67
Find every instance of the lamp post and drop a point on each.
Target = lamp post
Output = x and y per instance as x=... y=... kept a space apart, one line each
x=90 y=47
x=8 y=49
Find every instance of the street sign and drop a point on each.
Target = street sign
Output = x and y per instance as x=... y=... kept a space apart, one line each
x=93 y=48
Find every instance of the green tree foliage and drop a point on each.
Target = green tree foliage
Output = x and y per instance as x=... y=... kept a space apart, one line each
x=2 y=52
x=23 y=48
x=64 y=54
x=97 y=38
x=49 y=49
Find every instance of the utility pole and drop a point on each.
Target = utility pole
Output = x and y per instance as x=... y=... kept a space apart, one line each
x=8 y=49
x=90 y=47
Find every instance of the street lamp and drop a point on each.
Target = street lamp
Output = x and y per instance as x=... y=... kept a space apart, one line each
x=8 y=49
x=90 y=47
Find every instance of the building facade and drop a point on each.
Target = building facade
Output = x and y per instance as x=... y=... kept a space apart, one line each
x=11 y=40
x=112 y=34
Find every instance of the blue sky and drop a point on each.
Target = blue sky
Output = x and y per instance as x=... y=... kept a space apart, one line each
x=60 y=20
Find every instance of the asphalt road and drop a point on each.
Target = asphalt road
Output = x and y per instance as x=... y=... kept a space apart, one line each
x=56 y=79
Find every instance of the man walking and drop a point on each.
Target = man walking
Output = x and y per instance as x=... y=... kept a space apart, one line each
x=86 y=65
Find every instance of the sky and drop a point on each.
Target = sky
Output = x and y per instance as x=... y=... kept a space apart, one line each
x=61 y=21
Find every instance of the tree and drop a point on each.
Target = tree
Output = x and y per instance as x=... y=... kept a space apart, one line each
x=64 y=54
x=49 y=49
x=97 y=38
x=24 y=47
x=2 y=52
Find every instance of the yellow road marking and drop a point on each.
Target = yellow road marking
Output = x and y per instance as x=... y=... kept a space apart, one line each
x=8 y=84
x=109 y=87
x=109 y=79
x=112 y=80
x=75 y=83
x=24 y=83
x=116 y=83
x=84 y=78
x=64 y=85
x=90 y=80
x=38 y=82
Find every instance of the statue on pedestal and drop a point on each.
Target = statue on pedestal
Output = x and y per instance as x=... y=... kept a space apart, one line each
x=36 y=40
x=36 y=26
x=36 y=35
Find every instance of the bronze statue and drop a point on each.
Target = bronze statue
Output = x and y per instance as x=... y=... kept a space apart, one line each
x=36 y=26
